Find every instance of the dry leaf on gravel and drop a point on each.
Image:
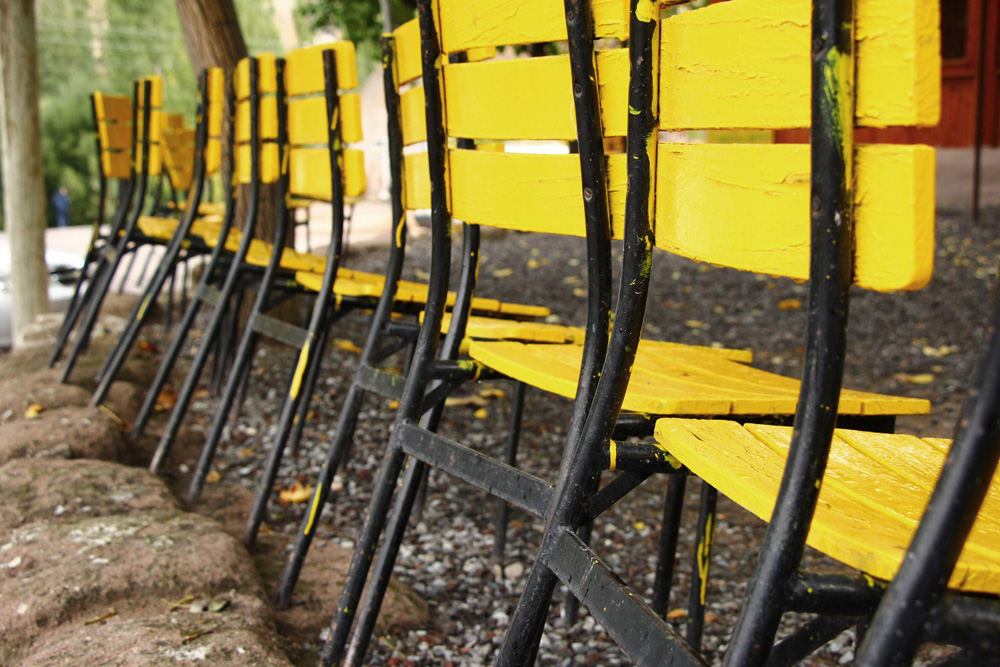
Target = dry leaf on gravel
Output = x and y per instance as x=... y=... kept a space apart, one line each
x=919 y=378
x=789 y=304
x=346 y=345
x=33 y=411
x=295 y=493
x=166 y=400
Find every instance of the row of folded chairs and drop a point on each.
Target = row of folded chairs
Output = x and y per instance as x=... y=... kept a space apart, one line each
x=820 y=463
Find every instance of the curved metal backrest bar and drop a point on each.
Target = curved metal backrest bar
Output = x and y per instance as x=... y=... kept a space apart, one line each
x=830 y=279
x=895 y=632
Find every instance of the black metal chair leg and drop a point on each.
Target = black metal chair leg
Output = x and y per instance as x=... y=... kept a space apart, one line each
x=414 y=477
x=241 y=365
x=702 y=560
x=170 y=298
x=364 y=551
x=212 y=330
x=673 y=504
x=167 y=364
x=510 y=458
x=293 y=435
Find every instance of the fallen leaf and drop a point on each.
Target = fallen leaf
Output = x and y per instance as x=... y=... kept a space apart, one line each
x=346 y=345
x=639 y=525
x=920 y=378
x=146 y=346
x=218 y=604
x=455 y=401
x=393 y=405
x=165 y=400
x=938 y=352
x=245 y=452
x=677 y=613
x=573 y=280
x=492 y=392
x=580 y=292
x=694 y=324
x=481 y=413
x=213 y=477
x=789 y=304
x=502 y=273
x=201 y=393
x=533 y=263
x=295 y=493
x=33 y=411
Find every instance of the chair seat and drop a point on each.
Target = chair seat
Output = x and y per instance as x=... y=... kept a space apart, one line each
x=675 y=379
x=371 y=284
x=205 y=208
x=875 y=489
x=163 y=228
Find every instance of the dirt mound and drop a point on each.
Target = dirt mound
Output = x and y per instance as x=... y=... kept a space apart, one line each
x=241 y=634
x=54 y=490
x=57 y=573
x=63 y=433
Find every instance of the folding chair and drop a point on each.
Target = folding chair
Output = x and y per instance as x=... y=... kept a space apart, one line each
x=147 y=161
x=410 y=190
x=113 y=118
x=871 y=213
x=307 y=127
x=680 y=380
x=185 y=236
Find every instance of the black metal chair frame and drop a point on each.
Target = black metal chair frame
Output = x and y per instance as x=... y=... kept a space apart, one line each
x=181 y=243
x=385 y=338
x=916 y=604
x=98 y=242
x=106 y=258
x=224 y=278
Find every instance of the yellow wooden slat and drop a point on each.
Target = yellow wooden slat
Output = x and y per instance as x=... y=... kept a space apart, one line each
x=406 y=52
x=530 y=98
x=746 y=64
x=350 y=118
x=466 y=25
x=116 y=108
x=416 y=182
x=672 y=379
x=307 y=120
x=411 y=116
x=116 y=165
x=216 y=109
x=747 y=206
x=304 y=71
x=859 y=533
x=116 y=136
x=541 y=193
x=309 y=173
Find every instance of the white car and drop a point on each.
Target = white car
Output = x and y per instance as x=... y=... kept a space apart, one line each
x=64 y=267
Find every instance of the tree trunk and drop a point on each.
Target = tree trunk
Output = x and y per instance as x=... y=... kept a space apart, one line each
x=24 y=185
x=213 y=38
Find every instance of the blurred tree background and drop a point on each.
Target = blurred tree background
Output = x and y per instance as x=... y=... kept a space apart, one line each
x=88 y=45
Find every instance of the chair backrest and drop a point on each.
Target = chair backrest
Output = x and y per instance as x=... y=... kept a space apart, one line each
x=747 y=206
x=405 y=44
x=154 y=166
x=267 y=87
x=178 y=151
x=216 y=109
x=524 y=99
x=113 y=124
x=309 y=155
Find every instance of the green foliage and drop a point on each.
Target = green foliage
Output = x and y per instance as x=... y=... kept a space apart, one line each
x=360 y=20
x=106 y=45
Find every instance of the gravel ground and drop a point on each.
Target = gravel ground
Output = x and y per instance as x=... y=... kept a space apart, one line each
x=920 y=344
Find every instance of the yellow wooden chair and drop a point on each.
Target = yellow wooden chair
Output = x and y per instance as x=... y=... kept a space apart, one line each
x=527 y=99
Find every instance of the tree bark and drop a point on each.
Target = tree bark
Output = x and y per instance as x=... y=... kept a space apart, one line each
x=24 y=184
x=213 y=38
